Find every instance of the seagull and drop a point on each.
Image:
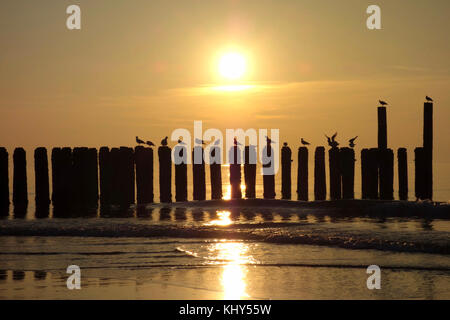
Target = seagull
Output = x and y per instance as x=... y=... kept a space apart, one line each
x=329 y=141
x=332 y=142
x=199 y=141
x=383 y=103
x=149 y=143
x=304 y=142
x=269 y=141
x=428 y=99
x=139 y=141
x=284 y=144
x=236 y=143
x=352 y=142
x=164 y=141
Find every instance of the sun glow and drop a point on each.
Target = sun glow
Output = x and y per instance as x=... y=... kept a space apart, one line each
x=232 y=65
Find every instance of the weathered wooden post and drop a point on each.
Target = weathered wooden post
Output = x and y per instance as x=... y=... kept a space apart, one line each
x=42 y=188
x=365 y=174
x=165 y=174
x=386 y=170
x=180 y=158
x=428 y=149
x=62 y=177
x=106 y=176
x=144 y=174
x=286 y=183
x=302 y=174
x=347 y=157
x=402 y=174
x=372 y=173
x=20 y=191
x=250 y=171
x=420 y=163
x=116 y=181
x=382 y=128
x=92 y=177
x=268 y=168
x=335 y=174
x=79 y=186
x=215 y=157
x=198 y=173
x=127 y=161
x=320 y=184
x=235 y=172
x=4 y=181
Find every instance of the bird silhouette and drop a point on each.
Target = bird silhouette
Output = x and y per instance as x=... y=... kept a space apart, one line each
x=383 y=103
x=164 y=141
x=428 y=99
x=351 y=142
x=269 y=141
x=180 y=141
x=139 y=141
x=329 y=141
x=304 y=142
x=284 y=144
x=236 y=143
x=149 y=143
x=199 y=141
x=332 y=142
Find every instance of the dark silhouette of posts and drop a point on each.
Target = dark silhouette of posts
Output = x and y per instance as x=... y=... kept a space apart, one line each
x=369 y=173
x=302 y=174
x=382 y=128
x=198 y=174
x=20 y=191
x=320 y=187
x=420 y=165
x=165 y=174
x=85 y=177
x=235 y=172
x=61 y=177
x=92 y=177
x=127 y=175
x=250 y=171
x=215 y=172
x=402 y=174
x=42 y=189
x=4 y=181
x=117 y=195
x=335 y=174
x=268 y=172
x=144 y=174
x=428 y=149
x=386 y=171
x=106 y=176
x=347 y=158
x=286 y=160
x=180 y=157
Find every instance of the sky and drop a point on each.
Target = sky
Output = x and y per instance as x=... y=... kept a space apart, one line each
x=148 y=67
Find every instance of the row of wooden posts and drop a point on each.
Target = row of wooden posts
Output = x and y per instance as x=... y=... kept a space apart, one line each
x=125 y=174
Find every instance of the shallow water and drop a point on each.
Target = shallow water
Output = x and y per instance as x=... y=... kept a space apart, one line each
x=165 y=252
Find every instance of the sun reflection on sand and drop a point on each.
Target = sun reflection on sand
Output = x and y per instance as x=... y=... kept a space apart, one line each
x=234 y=275
x=223 y=219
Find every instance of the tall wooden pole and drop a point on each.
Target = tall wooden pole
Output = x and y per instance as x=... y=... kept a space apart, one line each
x=286 y=163
x=302 y=174
x=320 y=185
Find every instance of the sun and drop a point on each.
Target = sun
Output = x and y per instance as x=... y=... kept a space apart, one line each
x=232 y=65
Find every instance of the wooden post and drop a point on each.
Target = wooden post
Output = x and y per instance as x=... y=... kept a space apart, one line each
x=382 y=128
x=386 y=171
x=420 y=163
x=215 y=173
x=20 y=191
x=268 y=172
x=302 y=174
x=250 y=171
x=347 y=157
x=165 y=174
x=365 y=174
x=62 y=177
x=286 y=160
x=180 y=173
x=42 y=189
x=106 y=176
x=80 y=176
x=402 y=174
x=235 y=173
x=335 y=174
x=128 y=182
x=4 y=181
x=116 y=175
x=92 y=177
x=428 y=149
x=373 y=164
x=320 y=184
x=198 y=173
x=144 y=174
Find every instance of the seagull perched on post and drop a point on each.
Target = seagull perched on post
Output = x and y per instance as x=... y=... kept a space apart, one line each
x=236 y=143
x=351 y=142
x=428 y=99
x=304 y=142
x=139 y=141
x=164 y=141
x=383 y=103
x=332 y=141
x=149 y=143
x=180 y=141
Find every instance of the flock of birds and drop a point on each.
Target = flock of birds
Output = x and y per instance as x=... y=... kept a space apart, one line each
x=331 y=141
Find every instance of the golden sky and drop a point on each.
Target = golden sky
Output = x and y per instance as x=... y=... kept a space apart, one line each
x=144 y=68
